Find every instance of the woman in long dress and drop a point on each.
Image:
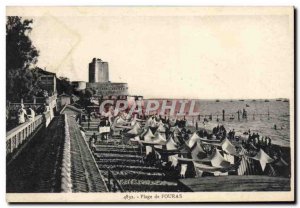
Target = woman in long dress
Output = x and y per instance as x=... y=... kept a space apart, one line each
x=21 y=114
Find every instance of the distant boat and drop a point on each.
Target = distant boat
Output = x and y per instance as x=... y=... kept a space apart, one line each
x=254 y=100
x=278 y=99
x=285 y=100
x=247 y=105
x=241 y=100
x=217 y=101
x=267 y=101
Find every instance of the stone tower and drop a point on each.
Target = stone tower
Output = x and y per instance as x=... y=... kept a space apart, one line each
x=98 y=71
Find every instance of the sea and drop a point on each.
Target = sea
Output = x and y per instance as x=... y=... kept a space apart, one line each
x=262 y=116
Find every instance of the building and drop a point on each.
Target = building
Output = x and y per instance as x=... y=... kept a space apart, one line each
x=108 y=88
x=63 y=99
x=99 y=80
x=98 y=71
x=47 y=80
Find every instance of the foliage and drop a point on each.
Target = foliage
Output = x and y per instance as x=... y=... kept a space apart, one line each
x=21 y=55
x=64 y=86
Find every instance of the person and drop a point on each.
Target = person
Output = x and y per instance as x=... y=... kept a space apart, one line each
x=80 y=118
x=32 y=114
x=22 y=115
x=88 y=123
x=89 y=116
x=91 y=141
x=94 y=138
x=230 y=134
x=107 y=124
x=93 y=147
x=270 y=142
x=77 y=118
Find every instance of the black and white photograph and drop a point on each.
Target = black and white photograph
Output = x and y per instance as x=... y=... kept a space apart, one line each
x=150 y=104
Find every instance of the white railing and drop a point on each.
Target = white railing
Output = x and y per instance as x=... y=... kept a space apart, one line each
x=16 y=136
x=48 y=117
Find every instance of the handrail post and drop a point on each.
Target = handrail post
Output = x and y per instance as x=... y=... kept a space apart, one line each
x=109 y=177
x=114 y=187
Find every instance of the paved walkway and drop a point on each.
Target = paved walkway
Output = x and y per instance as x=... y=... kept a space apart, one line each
x=37 y=167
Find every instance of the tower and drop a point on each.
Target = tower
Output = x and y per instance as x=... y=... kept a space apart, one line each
x=98 y=71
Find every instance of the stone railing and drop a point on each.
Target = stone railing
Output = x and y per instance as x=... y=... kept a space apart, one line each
x=18 y=135
x=48 y=117
x=66 y=181
x=37 y=101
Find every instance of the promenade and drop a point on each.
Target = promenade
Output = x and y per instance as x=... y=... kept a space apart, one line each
x=37 y=167
x=40 y=165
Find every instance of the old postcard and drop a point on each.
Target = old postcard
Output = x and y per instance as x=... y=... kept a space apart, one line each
x=150 y=104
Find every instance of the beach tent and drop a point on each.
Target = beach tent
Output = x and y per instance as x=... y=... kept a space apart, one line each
x=228 y=147
x=229 y=158
x=193 y=139
x=136 y=129
x=281 y=162
x=148 y=136
x=198 y=151
x=277 y=168
x=175 y=130
x=144 y=132
x=176 y=139
x=135 y=139
x=243 y=167
x=159 y=139
x=161 y=128
x=263 y=158
x=217 y=160
x=171 y=144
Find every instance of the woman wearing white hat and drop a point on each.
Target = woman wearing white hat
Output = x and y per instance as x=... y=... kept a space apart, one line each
x=21 y=114
x=32 y=114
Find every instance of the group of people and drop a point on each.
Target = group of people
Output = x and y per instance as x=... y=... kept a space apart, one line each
x=25 y=114
x=103 y=135
x=258 y=141
x=220 y=132
x=22 y=114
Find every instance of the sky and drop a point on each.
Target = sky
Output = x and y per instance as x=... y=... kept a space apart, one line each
x=173 y=54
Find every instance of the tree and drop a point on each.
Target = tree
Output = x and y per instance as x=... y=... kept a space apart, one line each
x=21 y=55
x=64 y=86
